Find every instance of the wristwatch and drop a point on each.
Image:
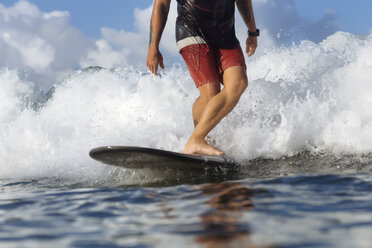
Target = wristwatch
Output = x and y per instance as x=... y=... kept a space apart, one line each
x=254 y=34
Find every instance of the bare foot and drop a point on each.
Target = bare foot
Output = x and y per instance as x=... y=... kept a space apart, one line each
x=201 y=147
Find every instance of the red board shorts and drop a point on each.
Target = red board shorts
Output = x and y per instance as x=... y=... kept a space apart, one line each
x=206 y=64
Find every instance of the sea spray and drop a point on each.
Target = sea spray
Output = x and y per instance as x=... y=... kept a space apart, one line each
x=307 y=97
x=92 y=108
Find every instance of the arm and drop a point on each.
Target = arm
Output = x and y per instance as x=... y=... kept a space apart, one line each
x=158 y=21
x=246 y=11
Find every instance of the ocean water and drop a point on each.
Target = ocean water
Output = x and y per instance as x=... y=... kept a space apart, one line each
x=302 y=133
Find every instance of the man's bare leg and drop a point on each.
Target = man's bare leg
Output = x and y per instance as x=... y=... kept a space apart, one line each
x=207 y=91
x=235 y=82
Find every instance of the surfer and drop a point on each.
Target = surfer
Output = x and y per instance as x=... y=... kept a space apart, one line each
x=206 y=39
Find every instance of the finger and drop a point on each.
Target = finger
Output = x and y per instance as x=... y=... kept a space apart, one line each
x=161 y=64
x=155 y=70
x=150 y=66
x=247 y=49
x=251 y=51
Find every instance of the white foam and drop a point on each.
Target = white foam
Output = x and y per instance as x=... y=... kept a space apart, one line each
x=313 y=97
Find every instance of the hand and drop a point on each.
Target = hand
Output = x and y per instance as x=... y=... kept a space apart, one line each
x=154 y=58
x=251 y=44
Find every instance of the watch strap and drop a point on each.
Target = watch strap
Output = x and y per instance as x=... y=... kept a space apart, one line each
x=254 y=34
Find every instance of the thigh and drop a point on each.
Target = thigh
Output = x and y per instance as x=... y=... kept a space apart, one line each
x=230 y=58
x=233 y=69
x=201 y=63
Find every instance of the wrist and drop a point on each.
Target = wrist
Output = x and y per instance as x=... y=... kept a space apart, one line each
x=154 y=49
x=154 y=45
x=255 y=33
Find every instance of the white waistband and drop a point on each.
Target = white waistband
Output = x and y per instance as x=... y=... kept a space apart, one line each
x=190 y=41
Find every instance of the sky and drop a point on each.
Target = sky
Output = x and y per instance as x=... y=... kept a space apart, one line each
x=90 y=15
x=354 y=16
x=48 y=39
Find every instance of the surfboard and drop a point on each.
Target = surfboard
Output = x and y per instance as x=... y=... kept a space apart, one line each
x=133 y=157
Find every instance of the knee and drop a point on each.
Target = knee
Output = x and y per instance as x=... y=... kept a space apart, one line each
x=208 y=91
x=243 y=85
x=205 y=98
x=235 y=91
x=240 y=86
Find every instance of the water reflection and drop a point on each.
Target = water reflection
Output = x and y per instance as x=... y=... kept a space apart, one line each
x=223 y=222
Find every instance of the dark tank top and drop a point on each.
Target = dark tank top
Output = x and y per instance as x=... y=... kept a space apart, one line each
x=206 y=21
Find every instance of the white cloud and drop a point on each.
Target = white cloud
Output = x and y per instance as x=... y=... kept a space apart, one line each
x=116 y=48
x=22 y=9
x=119 y=47
x=43 y=45
x=281 y=20
x=35 y=52
x=104 y=55
x=55 y=14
